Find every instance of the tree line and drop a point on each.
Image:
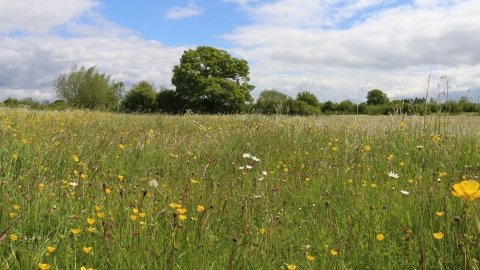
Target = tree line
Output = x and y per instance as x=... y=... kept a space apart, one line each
x=209 y=80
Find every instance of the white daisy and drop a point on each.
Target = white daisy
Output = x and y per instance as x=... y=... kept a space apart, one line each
x=264 y=173
x=73 y=184
x=404 y=192
x=246 y=155
x=393 y=175
x=255 y=158
x=153 y=183
x=241 y=168
x=248 y=167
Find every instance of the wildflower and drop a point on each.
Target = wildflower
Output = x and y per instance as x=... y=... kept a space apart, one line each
x=87 y=249
x=76 y=231
x=75 y=158
x=393 y=175
x=43 y=266
x=241 y=168
x=182 y=210
x=98 y=208
x=12 y=215
x=194 y=181
x=469 y=190
x=246 y=155
x=182 y=217
x=51 y=249
x=264 y=173
x=133 y=217
x=120 y=177
x=438 y=235
x=374 y=185
x=291 y=267
x=440 y=213
x=83 y=175
x=121 y=146
x=248 y=167
x=13 y=237
x=14 y=156
x=262 y=231
x=91 y=229
x=255 y=159
x=100 y=214
x=90 y=221
x=420 y=147
x=108 y=191
x=200 y=208
x=310 y=258
x=175 y=205
x=333 y=252
x=135 y=210
x=41 y=186
x=153 y=183
x=73 y=184
x=404 y=192
x=380 y=237
x=367 y=147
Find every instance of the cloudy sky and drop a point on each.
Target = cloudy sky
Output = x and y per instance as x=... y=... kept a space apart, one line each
x=336 y=49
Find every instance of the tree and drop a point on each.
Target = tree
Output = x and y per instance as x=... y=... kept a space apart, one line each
x=309 y=98
x=376 y=97
x=87 y=88
x=210 y=80
x=168 y=102
x=272 y=101
x=140 y=98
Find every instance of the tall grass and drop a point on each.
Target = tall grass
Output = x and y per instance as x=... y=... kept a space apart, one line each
x=177 y=192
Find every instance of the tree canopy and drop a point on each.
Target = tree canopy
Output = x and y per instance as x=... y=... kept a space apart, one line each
x=87 y=88
x=309 y=98
x=376 y=97
x=140 y=98
x=210 y=80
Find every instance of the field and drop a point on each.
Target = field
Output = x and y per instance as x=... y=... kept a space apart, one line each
x=92 y=190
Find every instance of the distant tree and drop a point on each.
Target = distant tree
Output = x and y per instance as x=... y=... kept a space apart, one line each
x=140 y=98
x=376 y=97
x=309 y=98
x=272 y=102
x=329 y=106
x=300 y=107
x=167 y=101
x=210 y=80
x=10 y=102
x=347 y=107
x=87 y=88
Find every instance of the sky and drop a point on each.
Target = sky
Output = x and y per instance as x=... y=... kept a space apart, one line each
x=335 y=49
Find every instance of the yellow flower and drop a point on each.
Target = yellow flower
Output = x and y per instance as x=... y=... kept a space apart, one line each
x=175 y=205
x=291 y=267
x=142 y=214
x=41 y=186
x=100 y=215
x=13 y=237
x=200 y=208
x=90 y=221
x=121 y=177
x=14 y=156
x=51 y=249
x=43 y=266
x=374 y=185
x=76 y=231
x=83 y=176
x=16 y=207
x=87 y=249
x=194 y=181
x=440 y=213
x=133 y=217
x=262 y=231
x=467 y=190
x=108 y=191
x=334 y=253
x=75 y=158
x=121 y=146
x=438 y=235
x=135 y=210
x=91 y=229
x=98 y=208
x=183 y=217
x=367 y=147
x=380 y=237
x=310 y=258
x=182 y=210
x=12 y=215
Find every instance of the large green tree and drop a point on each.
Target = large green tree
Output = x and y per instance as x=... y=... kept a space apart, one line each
x=376 y=97
x=210 y=80
x=140 y=98
x=87 y=88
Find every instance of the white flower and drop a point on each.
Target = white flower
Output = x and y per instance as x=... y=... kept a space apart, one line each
x=241 y=168
x=260 y=179
x=257 y=196
x=246 y=155
x=255 y=158
x=404 y=192
x=73 y=184
x=420 y=147
x=264 y=173
x=153 y=183
x=248 y=167
x=393 y=175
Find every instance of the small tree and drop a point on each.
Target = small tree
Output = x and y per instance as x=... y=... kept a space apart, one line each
x=140 y=98
x=376 y=97
x=86 y=88
x=210 y=80
x=271 y=102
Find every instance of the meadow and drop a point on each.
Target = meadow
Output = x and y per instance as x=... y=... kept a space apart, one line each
x=94 y=190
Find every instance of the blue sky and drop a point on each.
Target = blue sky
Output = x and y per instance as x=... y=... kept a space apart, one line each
x=336 y=49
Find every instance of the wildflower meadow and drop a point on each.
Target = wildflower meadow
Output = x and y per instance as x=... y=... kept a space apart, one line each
x=84 y=190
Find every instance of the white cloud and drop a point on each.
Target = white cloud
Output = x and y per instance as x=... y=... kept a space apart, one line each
x=184 y=12
x=40 y=16
x=393 y=49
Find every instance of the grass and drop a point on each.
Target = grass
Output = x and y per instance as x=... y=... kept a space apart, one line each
x=175 y=192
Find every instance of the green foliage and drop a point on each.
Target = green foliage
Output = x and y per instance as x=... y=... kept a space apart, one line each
x=271 y=102
x=329 y=107
x=140 y=98
x=87 y=88
x=209 y=80
x=167 y=101
x=309 y=98
x=376 y=97
x=300 y=107
x=347 y=107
